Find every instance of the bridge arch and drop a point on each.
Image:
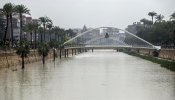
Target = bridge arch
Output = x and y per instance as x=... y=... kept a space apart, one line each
x=117 y=38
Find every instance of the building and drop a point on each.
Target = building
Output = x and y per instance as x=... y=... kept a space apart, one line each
x=133 y=28
x=84 y=29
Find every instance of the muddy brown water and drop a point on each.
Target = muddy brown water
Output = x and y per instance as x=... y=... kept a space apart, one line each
x=98 y=75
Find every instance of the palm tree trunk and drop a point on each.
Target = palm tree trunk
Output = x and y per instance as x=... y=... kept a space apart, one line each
x=21 y=27
x=152 y=20
x=11 y=28
x=35 y=39
x=22 y=60
x=50 y=34
x=58 y=38
x=41 y=34
x=31 y=38
x=43 y=59
x=55 y=37
x=44 y=32
x=5 y=35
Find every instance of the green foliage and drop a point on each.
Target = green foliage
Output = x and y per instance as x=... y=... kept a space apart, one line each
x=152 y=14
x=164 y=63
x=173 y=16
x=161 y=33
x=24 y=48
x=21 y=9
x=54 y=44
x=159 y=18
x=43 y=49
x=146 y=22
x=2 y=27
x=70 y=33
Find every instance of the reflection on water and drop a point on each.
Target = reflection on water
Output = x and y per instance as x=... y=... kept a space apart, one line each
x=98 y=75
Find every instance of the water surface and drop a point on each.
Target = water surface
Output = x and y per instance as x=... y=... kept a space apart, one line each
x=98 y=75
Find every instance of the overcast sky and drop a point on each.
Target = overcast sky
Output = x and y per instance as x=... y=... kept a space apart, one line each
x=96 y=13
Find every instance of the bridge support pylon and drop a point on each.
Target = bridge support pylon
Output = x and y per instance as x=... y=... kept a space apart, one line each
x=60 y=52
x=72 y=52
x=65 y=53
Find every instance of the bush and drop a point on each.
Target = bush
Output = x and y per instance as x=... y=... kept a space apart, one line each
x=23 y=48
x=43 y=49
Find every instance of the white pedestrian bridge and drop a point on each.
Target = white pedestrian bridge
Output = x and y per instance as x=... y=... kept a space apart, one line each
x=107 y=38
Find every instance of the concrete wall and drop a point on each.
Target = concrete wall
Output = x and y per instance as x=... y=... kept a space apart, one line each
x=167 y=54
x=163 y=53
x=12 y=59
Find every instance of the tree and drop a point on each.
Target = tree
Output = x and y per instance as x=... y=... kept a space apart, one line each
x=152 y=14
x=146 y=22
x=2 y=27
x=35 y=28
x=41 y=31
x=30 y=29
x=21 y=9
x=172 y=16
x=44 y=21
x=43 y=50
x=11 y=20
x=56 y=31
x=23 y=51
x=71 y=33
x=159 y=18
x=49 y=26
x=6 y=11
x=63 y=35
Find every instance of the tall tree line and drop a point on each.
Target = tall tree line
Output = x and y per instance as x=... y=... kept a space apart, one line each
x=158 y=32
x=39 y=29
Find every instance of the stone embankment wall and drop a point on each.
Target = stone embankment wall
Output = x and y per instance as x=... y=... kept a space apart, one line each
x=163 y=53
x=12 y=59
x=167 y=54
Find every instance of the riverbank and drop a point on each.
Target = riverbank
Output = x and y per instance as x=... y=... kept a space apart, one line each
x=164 y=63
x=11 y=59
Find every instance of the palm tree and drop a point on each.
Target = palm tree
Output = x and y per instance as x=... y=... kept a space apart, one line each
x=62 y=35
x=43 y=50
x=23 y=51
x=35 y=28
x=152 y=14
x=143 y=20
x=70 y=33
x=41 y=31
x=2 y=27
x=21 y=9
x=56 y=31
x=11 y=21
x=159 y=18
x=44 y=21
x=173 y=16
x=6 y=12
x=49 y=26
x=30 y=28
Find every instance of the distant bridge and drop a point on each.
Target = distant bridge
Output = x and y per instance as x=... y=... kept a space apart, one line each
x=107 y=38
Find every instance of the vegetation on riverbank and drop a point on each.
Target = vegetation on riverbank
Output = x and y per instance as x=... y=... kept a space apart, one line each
x=158 y=32
x=164 y=63
x=38 y=33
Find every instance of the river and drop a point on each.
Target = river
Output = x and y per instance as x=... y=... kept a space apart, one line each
x=98 y=75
